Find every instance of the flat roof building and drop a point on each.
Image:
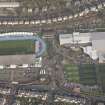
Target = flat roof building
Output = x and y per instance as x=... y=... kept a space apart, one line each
x=65 y=39
x=9 y=4
x=98 y=43
x=75 y=38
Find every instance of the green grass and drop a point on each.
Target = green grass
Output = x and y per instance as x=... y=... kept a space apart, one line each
x=100 y=71
x=84 y=74
x=5 y=75
x=16 y=47
x=72 y=73
x=87 y=74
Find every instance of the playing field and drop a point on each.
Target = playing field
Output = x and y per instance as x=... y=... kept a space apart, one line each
x=17 y=47
x=72 y=73
x=87 y=74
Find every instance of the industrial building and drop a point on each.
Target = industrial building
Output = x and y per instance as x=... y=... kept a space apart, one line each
x=98 y=43
x=75 y=38
x=94 y=43
x=9 y=4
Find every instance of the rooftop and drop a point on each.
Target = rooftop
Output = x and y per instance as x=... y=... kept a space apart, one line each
x=98 y=36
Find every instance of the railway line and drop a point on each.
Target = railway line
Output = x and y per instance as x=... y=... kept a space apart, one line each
x=20 y=25
x=33 y=20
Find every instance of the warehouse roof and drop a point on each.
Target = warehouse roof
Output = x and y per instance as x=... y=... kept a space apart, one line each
x=98 y=41
x=98 y=35
x=9 y=4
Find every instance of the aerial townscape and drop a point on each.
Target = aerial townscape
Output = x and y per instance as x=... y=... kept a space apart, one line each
x=52 y=52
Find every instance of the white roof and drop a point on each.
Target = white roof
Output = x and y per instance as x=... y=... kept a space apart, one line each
x=54 y=19
x=93 y=9
x=9 y=4
x=82 y=38
x=60 y=19
x=76 y=33
x=74 y=38
x=91 y=52
x=101 y=57
x=13 y=66
x=25 y=65
x=99 y=45
x=65 y=39
x=43 y=21
x=98 y=36
x=1 y=66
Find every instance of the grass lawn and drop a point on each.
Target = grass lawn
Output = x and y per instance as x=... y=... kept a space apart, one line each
x=16 y=47
x=72 y=73
x=100 y=71
x=87 y=74
x=5 y=75
x=84 y=74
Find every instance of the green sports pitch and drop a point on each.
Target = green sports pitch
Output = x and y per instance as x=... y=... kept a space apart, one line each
x=13 y=47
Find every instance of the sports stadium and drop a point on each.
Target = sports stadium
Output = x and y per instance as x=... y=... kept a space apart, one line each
x=20 y=48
